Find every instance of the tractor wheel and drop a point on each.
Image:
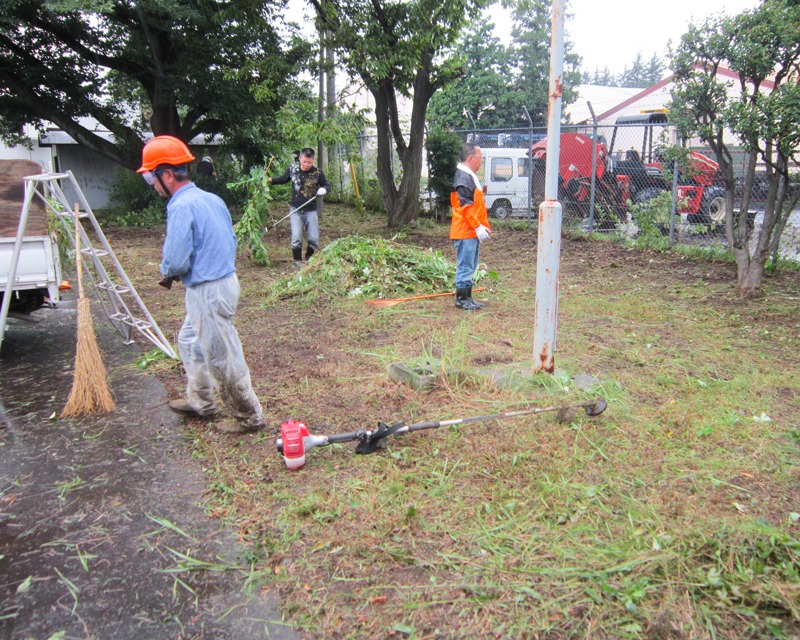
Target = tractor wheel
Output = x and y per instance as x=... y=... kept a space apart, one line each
x=501 y=209
x=712 y=209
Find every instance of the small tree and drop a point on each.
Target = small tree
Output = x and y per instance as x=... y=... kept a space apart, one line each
x=443 y=153
x=761 y=46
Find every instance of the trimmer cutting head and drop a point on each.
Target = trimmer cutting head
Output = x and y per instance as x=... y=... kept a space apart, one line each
x=596 y=408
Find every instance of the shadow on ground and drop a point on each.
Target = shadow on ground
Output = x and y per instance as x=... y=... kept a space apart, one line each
x=101 y=530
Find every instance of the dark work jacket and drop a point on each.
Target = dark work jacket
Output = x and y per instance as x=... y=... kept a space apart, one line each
x=304 y=185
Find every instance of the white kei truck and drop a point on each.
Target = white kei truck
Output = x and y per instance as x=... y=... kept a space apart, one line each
x=38 y=271
x=505 y=178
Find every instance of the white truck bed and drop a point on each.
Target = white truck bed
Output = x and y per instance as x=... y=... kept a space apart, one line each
x=38 y=272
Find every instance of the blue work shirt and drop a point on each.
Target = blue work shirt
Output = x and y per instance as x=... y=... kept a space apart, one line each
x=200 y=245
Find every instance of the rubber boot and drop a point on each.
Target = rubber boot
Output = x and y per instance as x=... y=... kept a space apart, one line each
x=309 y=252
x=463 y=301
x=477 y=304
x=297 y=256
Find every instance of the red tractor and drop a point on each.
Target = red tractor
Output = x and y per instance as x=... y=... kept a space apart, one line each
x=575 y=178
x=629 y=180
x=701 y=185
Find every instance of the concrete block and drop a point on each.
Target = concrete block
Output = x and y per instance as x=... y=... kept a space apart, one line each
x=420 y=377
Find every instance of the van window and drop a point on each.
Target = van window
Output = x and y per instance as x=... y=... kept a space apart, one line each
x=522 y=167
x=502 y=169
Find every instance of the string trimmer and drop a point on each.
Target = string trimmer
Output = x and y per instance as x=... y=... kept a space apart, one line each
x=295 y=438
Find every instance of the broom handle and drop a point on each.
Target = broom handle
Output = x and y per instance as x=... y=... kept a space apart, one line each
x=78 y=253
x=429 y=295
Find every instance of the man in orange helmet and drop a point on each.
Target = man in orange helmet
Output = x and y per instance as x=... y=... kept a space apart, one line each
x=200 y=250
x=469 y=225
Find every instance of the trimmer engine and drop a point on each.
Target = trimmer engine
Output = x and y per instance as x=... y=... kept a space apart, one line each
x=294 y=448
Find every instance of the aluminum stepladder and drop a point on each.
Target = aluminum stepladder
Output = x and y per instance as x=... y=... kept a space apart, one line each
x=117 y=294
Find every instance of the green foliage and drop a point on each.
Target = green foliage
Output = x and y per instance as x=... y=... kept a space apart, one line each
x=250 y=228
x=129 y=194
x=640 y=74
x=371 y=195
x=152 y=215
x=652 y=218
x=56 y=228
x=485 y=81
x=155 y=360
x=498 y=81
x=444 y=148
x=357 y=266
x=177 y=67
x=530 y=59
x=298 y=125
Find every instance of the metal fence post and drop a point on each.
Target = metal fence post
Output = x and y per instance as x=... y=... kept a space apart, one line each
x=673 y=212
x=594 y=166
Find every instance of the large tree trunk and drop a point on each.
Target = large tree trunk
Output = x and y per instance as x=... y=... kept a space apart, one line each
x=402 y=202
x=385 y=175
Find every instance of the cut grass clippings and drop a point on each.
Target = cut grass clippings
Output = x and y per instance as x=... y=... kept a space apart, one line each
x=674 y=515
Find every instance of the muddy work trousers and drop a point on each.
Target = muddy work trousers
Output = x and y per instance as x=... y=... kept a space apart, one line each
x=211 y=352
x=309 y=221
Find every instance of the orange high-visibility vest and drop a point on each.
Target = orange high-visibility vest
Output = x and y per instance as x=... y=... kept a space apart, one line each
x=466 y=218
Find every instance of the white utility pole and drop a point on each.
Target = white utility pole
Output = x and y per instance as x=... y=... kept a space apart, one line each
x=548 y=253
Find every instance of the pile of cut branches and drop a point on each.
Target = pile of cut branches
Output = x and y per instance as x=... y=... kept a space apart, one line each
x=361 y=267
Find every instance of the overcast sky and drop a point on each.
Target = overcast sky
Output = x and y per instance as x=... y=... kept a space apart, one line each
x=609 y=34
x=605 y=34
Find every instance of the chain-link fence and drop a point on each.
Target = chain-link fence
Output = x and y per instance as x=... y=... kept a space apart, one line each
x=630 y=178
x=624 y=179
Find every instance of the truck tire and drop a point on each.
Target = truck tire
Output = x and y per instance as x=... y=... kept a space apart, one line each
x=501 y=209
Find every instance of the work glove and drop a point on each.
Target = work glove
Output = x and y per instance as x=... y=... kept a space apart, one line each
x=167 y=281
x=322 y=191
x=483 y=233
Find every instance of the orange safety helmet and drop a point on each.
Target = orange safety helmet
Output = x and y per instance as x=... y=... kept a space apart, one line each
x=164 y=150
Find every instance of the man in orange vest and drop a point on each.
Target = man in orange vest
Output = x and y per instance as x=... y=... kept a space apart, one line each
x=470 y=223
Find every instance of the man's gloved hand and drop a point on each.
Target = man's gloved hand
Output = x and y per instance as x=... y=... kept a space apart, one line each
x=483 y=233
x=322 y=191
x=167 y=282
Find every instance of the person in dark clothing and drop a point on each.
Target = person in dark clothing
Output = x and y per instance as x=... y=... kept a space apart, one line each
x=307 y=182
x=206 y=168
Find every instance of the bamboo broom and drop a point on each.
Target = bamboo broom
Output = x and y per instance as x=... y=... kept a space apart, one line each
x=90 y=392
